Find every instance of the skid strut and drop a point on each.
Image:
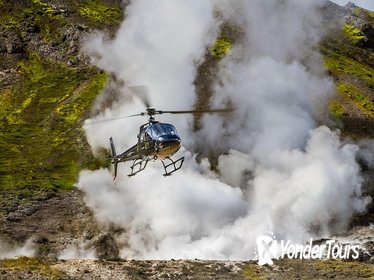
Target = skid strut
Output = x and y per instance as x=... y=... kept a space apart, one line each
x=176 y=165
x=138 y=165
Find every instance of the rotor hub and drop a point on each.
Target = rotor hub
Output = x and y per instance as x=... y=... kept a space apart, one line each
x=151 y=111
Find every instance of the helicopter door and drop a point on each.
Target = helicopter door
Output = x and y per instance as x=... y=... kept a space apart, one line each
x=145 y=140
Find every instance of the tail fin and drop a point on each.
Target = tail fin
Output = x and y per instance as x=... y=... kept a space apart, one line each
x=112 y=147
x=114 y=154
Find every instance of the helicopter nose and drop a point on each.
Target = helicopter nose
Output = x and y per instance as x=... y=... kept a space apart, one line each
x=171 y=143
x=168 y=147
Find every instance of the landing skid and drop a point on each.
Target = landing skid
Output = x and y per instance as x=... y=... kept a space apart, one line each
x=176 y=165
x=138 y=165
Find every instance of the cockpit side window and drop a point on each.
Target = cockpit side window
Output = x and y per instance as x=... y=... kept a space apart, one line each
x=147 y=136
x=145 y=139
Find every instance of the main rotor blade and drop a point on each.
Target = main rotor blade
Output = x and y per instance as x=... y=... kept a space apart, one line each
x=142 y=92
x=226 y=110
x=159 y=112
x=115 y=119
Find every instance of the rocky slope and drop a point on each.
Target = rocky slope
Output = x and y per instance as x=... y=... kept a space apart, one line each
x=25 y=268
x=46 y=90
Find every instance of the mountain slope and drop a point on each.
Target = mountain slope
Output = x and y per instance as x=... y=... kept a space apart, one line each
x=46 y=91
x=349 y=58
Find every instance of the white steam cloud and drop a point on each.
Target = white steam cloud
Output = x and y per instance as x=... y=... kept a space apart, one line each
x=158 y=45
x=280 y=173
x=78 y=250
x=366 y=152
x=8 y=251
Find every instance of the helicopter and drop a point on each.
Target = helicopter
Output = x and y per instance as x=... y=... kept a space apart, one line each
x=156 y=141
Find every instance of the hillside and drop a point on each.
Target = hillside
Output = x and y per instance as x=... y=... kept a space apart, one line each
x=47 y=88
x=349 y=58
x=46 y=91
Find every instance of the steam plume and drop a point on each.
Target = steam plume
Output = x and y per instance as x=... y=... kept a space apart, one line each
x=8 y=251
x=281 y=171
x=77 y=251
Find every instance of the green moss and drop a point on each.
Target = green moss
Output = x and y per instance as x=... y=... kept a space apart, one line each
x=353 y=33
x=44 y=7
x=336 y=109
x=339 y=65
x=51 y=21
x=40 y=149
x=97 y=11
x=35 y=13
x=9 y=22
x=5 y=101
x=357 y=97
x=71 y=110
x=221 y=47
x=253 y=272
x=343 y=269
x=32 y=264
x=100 y=161
x=355 y=81
x=43 y=80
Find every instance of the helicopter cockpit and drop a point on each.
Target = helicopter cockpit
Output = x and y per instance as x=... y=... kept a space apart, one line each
x=162 y=131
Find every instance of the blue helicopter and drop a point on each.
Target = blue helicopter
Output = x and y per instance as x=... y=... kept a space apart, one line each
x=156 y=141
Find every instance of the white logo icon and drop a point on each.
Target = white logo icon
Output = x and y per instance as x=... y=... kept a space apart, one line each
x=266 y=249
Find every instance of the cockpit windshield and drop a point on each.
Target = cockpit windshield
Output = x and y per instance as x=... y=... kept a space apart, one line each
x=162 y=129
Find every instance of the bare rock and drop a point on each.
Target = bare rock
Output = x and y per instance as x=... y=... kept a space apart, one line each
x=13 y=42
x=2 y=45
x=106 y=246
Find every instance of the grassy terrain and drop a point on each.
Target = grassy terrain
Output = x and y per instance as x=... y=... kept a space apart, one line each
x=253 y=272
x=353 y=33
x=39 y=116
x=340 y=64
x=221 y=47
x=42 y=144
x=352 y=67
x=310 y=269
x=345 y=269
x=99 y=12
x=357 y=97
x=350 y=62
x=50 y=18
x=41 y=140
x=31 y=266
x=187 y=269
